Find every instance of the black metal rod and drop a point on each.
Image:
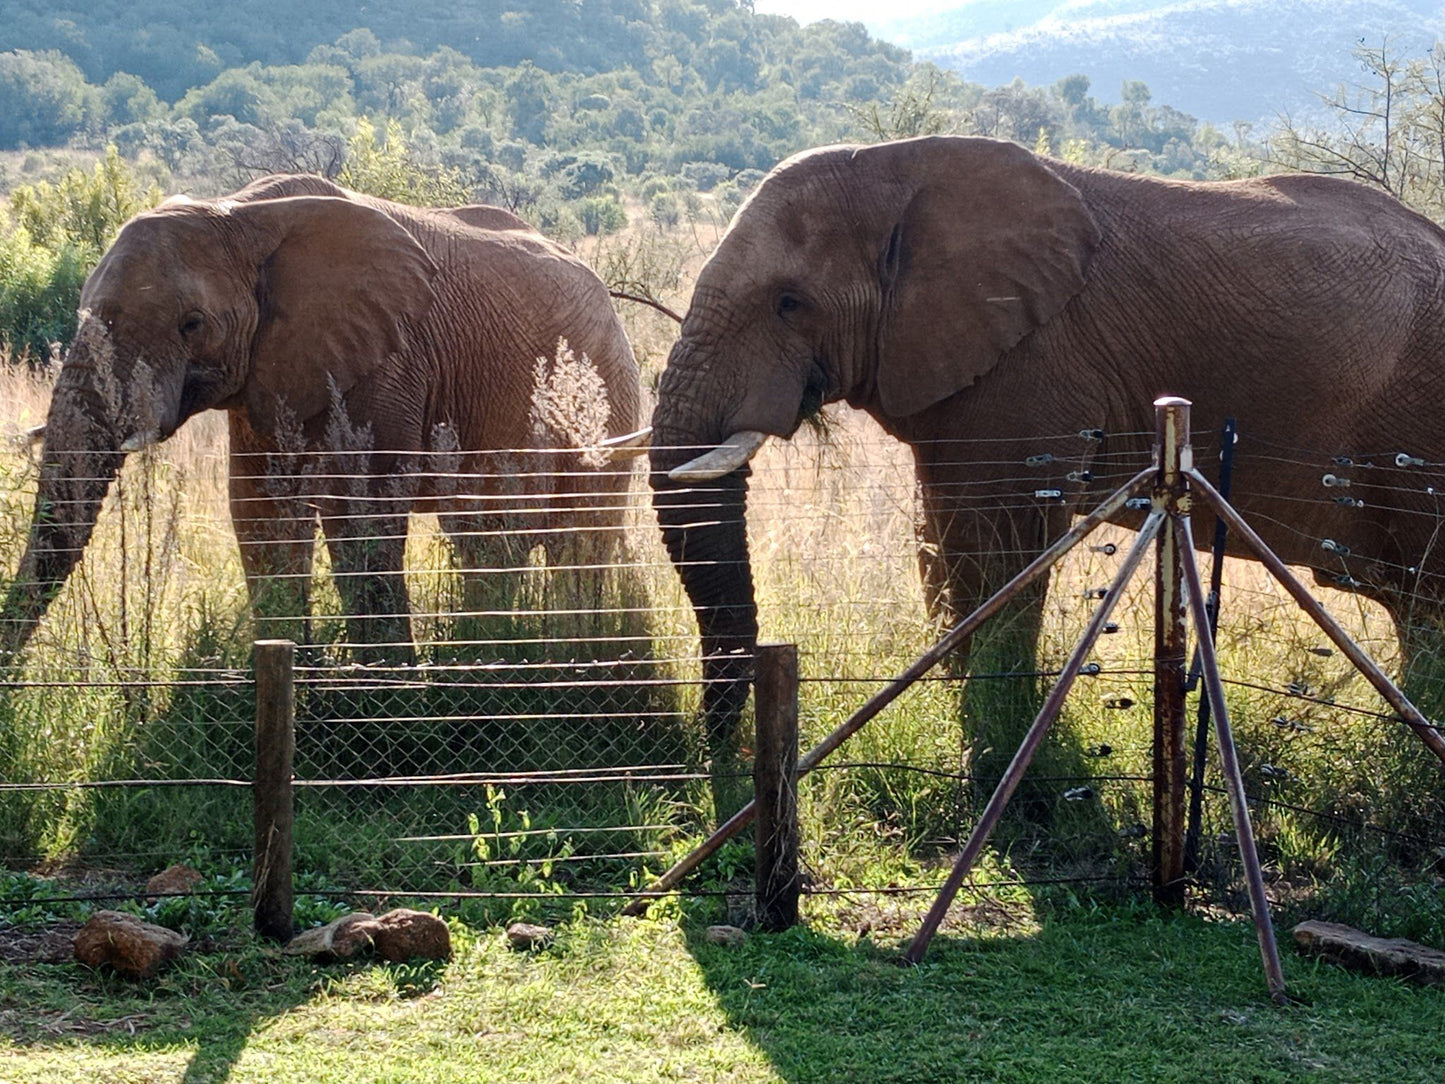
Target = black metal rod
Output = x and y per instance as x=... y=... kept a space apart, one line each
x=1228 y=437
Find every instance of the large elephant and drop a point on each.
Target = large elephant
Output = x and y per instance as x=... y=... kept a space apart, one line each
x=404 y=340
x=980 y=301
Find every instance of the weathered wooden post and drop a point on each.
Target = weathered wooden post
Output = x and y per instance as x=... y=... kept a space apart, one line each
x=1174 y=456
x=271 y=789
x=775 y=785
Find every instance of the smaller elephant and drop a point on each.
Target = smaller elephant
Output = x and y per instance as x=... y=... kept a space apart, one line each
x=372 y=358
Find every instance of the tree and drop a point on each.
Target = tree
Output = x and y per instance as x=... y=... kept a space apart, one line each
x=44 y=99
x=1388 y=130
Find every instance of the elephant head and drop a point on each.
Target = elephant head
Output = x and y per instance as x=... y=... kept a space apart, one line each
x=890 y=276
x=250 y=304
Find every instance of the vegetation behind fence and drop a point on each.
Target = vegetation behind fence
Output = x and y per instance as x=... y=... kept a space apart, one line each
x=545 y=745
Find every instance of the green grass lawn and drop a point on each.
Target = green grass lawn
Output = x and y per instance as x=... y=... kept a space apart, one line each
x=1086 y=994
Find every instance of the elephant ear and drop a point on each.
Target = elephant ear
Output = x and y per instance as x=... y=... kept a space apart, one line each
x=339 y=286
x=989 y=245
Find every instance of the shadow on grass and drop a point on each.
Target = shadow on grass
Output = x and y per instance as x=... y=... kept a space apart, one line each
x=1120 y=993
x=213 y=1001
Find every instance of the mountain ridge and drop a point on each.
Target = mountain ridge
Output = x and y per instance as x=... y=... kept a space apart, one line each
x=1219 y=60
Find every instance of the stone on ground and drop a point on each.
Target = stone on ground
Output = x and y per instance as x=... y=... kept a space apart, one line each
x=1364 y=952
x=127 y=944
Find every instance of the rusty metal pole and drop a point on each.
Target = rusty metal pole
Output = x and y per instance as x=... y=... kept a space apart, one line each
x=1233 y=778
x=875 y=704
x=1032 y=740
x=775 y=785
x=1173 y=455
x=271 y=893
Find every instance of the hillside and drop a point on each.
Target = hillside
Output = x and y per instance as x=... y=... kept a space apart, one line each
x=1219 y=60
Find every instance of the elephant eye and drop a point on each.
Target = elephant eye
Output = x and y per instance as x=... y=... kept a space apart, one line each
x=192 y=323
x=788 y=303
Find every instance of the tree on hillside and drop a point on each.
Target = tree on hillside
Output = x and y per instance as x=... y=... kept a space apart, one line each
x=1388 y=130
x=44 y=99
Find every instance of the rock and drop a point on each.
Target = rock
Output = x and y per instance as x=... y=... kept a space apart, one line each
x=524 y=936
x=176 y=879
x=1364 y=952
x=726 y=936
x=401 y=935
x=127 y=944
x=338 y=940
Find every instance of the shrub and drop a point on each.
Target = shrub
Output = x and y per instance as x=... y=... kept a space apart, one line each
x=51 y=238
x=602 y=215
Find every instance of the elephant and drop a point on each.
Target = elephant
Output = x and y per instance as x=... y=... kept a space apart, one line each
x=371 y=358
x=1007 y=315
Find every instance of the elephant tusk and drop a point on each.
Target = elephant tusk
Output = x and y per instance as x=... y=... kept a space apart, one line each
x=724 y=459
x=627 y=445
x=28 y=438
x=144 y=439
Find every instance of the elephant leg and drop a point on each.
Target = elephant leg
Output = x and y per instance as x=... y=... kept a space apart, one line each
x=977 y=552
x=367 y=545
x=276 y=531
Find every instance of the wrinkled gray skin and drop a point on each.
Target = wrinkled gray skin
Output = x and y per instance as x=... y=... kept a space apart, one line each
x=965 y=289
x=319 y=319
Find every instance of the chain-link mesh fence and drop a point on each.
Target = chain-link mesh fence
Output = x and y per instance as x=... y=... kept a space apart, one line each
x=521 y=720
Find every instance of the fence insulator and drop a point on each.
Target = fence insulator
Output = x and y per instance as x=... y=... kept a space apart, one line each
x=1272 y=771
x=1103 y=749
x=1049 y=494
x=1118 y=703
x=1110 y=627
x=1322 y=652
x=1298 y=688
x=1091 y=434
x=1329 y=545
x=1078 y=794
x=1343 y=461
x=1089 y=669
x=1292 y=724
x=1350 y=502
x=1096 y=592
x=1108 y=549
x=1405 y=460
x=1084 y=476
x=1133 y=831
x=1348 y=582
x=1335 y=482
x=1039 y=460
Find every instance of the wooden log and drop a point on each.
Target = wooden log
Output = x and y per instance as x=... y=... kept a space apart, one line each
x=775 y=785
x=1361 y=951
x=271 y=895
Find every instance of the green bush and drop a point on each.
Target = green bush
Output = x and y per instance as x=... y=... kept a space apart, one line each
x=602 y=215
x=50 y=239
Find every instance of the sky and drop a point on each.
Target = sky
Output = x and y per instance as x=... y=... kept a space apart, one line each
x=872 y=12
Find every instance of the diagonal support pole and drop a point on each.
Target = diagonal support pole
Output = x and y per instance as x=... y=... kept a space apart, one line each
x=1229 y=763
x=1428 y=732
x=875 y=704
x=1035 y=736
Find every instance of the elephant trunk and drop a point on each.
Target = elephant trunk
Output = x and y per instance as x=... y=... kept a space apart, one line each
x=79 y=462
x=704 y=529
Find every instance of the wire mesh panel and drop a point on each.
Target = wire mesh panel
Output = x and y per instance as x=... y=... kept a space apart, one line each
x=515 y=710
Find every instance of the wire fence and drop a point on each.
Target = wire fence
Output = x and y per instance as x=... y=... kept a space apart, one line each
x=511 y=710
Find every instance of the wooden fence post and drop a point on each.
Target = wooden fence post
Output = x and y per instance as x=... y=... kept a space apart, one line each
x=275 y=747
x=775 y=785
x=1170 y=663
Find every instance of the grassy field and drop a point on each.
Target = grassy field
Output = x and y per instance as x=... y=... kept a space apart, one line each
x=1086 y=994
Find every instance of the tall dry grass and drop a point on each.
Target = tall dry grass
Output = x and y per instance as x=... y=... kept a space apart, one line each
x=160 y=596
